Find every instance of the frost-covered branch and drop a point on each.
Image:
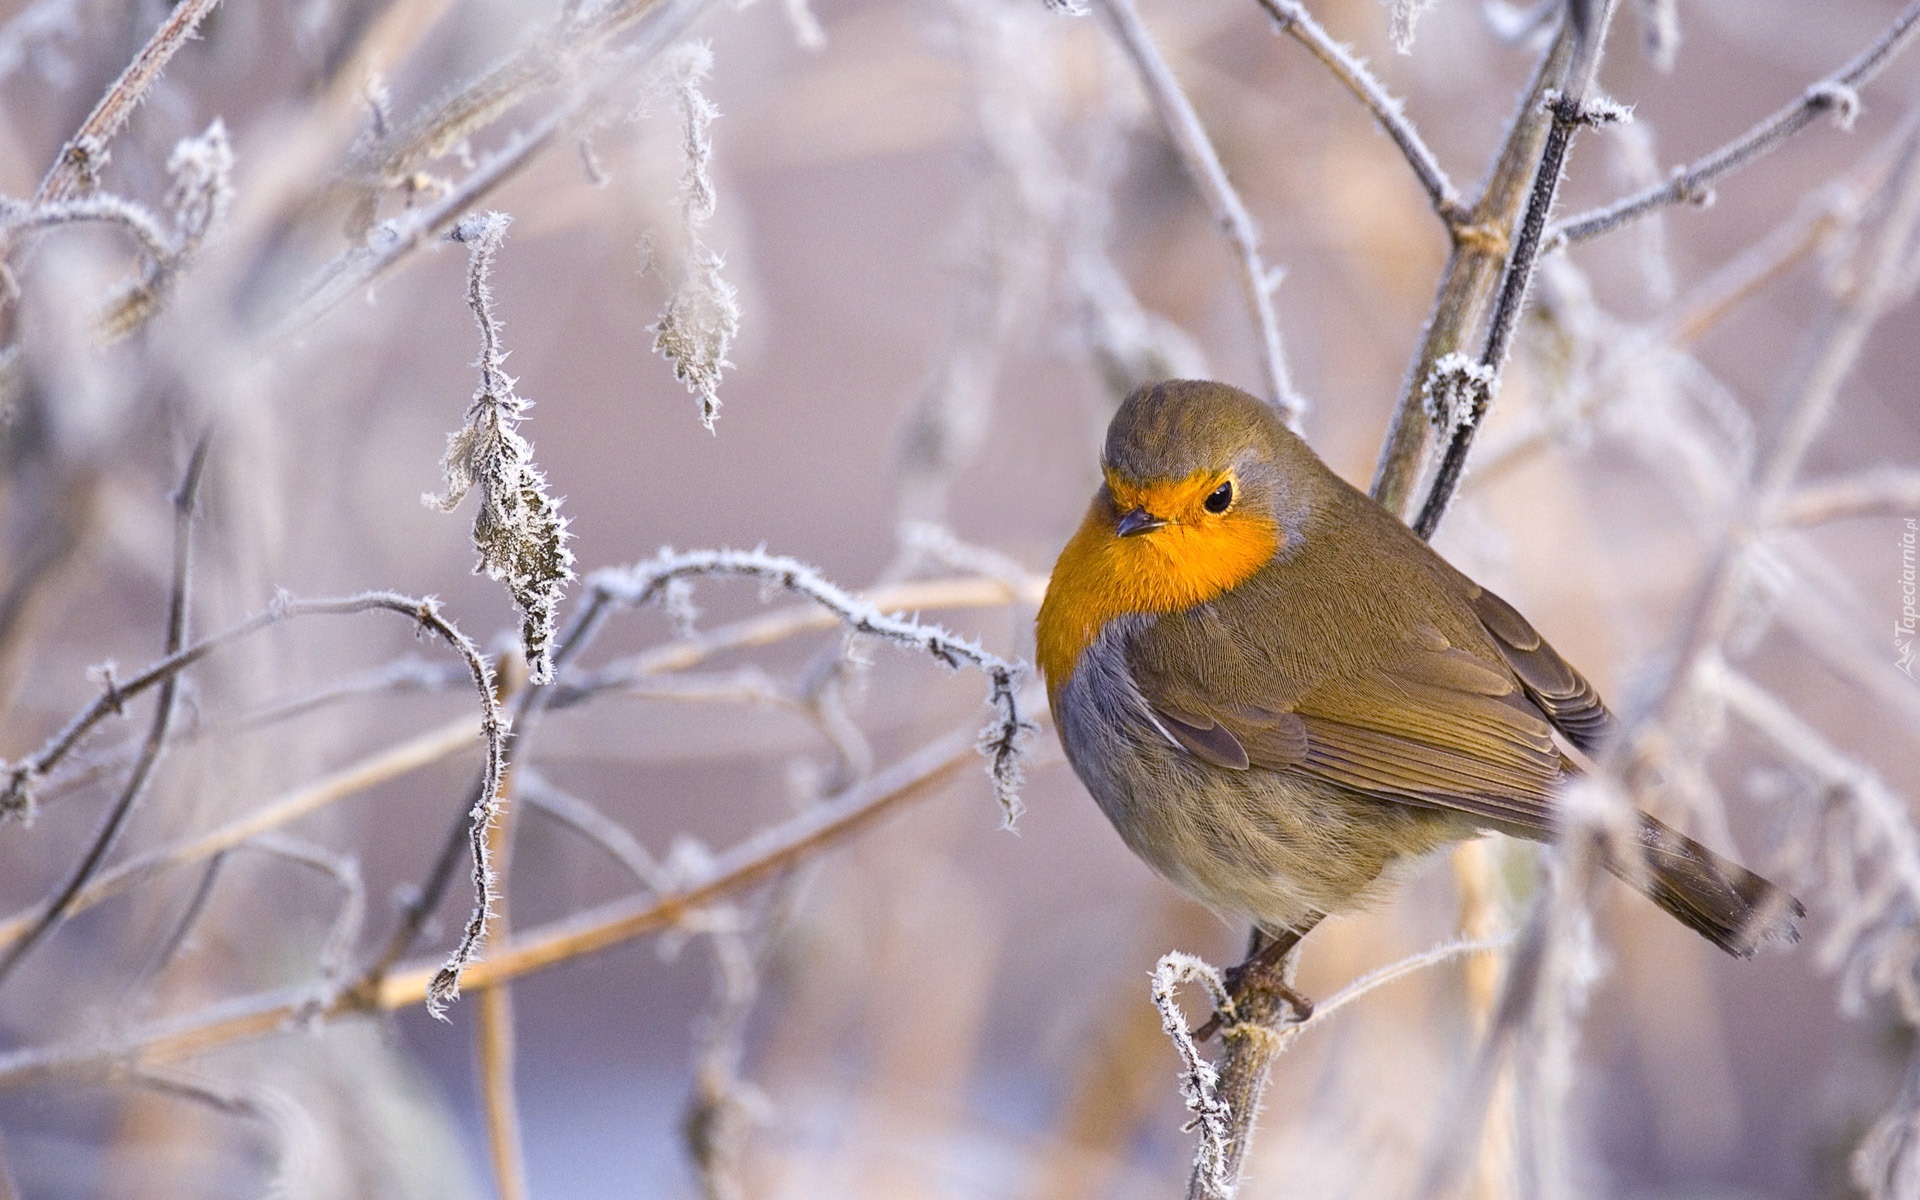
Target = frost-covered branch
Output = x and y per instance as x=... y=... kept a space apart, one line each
x=1293 y=19
x=1002 y=741
x=1838 y=94
x=1199 y=1082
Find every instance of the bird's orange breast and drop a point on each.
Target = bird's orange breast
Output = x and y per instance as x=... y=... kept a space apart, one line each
x=1102 y=576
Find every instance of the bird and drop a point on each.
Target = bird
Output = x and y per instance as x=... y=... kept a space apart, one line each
x=1281 y=697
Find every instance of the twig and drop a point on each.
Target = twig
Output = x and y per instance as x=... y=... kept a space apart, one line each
x=1002 y=741
x=781 y=624
x=56 y=907
x=1837 y=93
x=583 y=818
x=1473 y=271
x=1190 y=141
x=1887 y=490
x=1825 y=214
x=361 y=266
x=759 y=858
x=495 y=1052
x=1293 y=19
x=1477 y=383
x=82 y=157
x=1199 y=1082
x=426 y=613
x=408 y=756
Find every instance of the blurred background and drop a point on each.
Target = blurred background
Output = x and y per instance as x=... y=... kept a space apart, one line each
x=957 y=236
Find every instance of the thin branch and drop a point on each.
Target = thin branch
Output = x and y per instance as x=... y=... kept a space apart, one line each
x=1476 y=385
x=361 y=266
x=1190 y=141
x=57 y=906
x=1293 y=19
x=1887 y=491
x=85 y=153
x=759 y=858
x=1472 y=273
x=426 y=613
x=782 y=624
x=1825 y=215
x=1875 y=287
x=597 y=827
x=1199 y=1081
x=1003 y=741
x=411 y=755
x=1837 y=94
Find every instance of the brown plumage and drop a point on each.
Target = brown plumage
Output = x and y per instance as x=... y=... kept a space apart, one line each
x=1278 y=693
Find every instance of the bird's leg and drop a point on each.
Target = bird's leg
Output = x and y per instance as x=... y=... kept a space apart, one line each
x=1265 y=970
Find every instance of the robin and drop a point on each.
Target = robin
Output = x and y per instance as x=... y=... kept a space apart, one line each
x=1278 y=693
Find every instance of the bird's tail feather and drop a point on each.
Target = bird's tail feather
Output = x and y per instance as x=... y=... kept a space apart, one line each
x=1716 y=897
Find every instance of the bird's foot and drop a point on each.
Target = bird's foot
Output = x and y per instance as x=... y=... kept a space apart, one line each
x=1263 y=974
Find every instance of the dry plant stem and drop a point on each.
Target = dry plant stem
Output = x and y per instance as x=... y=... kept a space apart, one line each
x=359 y=268
x=1002 y=741
x=1838 y=94
x=1884 y=492
x=1190 y=141
x=494 y=1043
x=1253 y=1041
x=1472 y=272
x=426 y=613
x=1811 y=228
x=760 y=858
x=84 y=154
x=785 y=623
x=428 y=748
x=597 y=827
x=57 y=906
x=552 y=58
x=1295 y=21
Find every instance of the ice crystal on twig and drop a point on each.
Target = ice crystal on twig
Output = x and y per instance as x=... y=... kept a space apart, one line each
x=519 y=532
x=702 y=315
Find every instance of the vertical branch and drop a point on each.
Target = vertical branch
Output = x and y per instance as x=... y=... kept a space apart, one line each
x=1473 y=270
x=495 y=1046
x=1473 y=384
x=55 y=910
x=1196 y=151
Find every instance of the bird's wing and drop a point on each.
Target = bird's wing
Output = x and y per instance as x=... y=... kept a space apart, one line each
x=1562 y=694
x=1433 y=725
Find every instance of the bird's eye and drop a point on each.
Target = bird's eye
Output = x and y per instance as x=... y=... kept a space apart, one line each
x=1221 y=498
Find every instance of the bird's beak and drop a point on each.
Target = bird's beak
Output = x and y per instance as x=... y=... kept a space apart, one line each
x=1138 y=520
